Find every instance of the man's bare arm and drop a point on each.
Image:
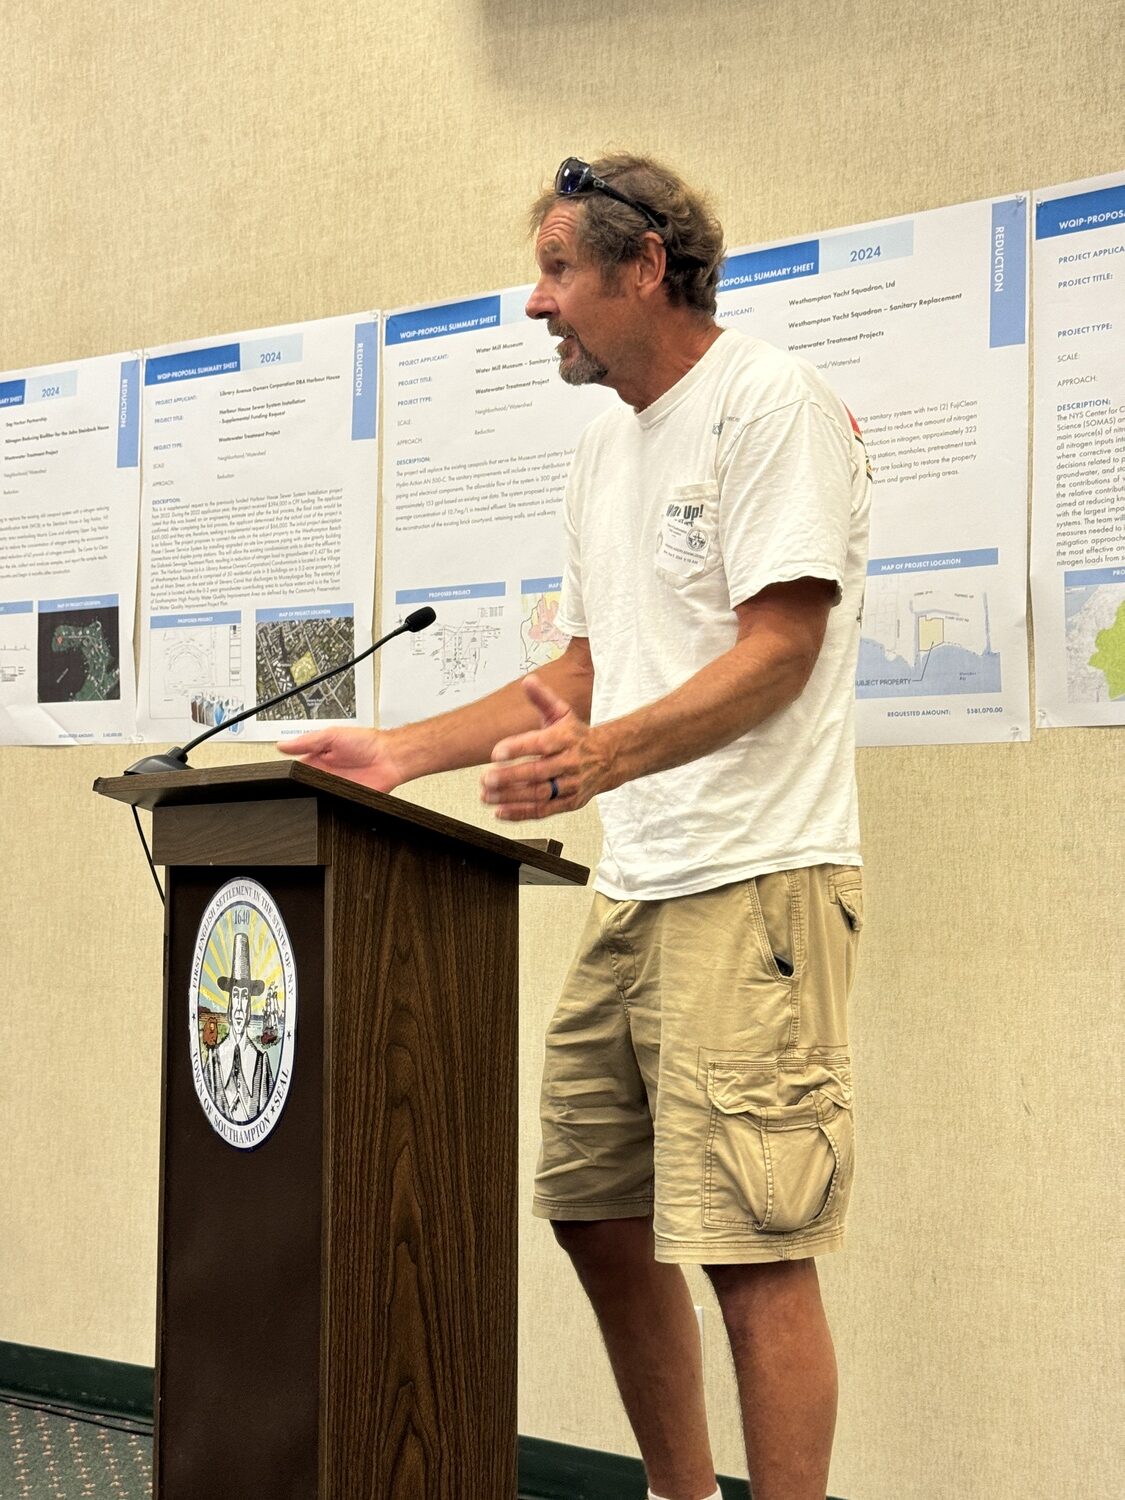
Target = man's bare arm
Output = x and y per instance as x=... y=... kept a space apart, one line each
x=780 y=632
x=385 y=759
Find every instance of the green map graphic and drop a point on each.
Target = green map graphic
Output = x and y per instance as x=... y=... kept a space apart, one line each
x=1095 y=640
x=1109 y=658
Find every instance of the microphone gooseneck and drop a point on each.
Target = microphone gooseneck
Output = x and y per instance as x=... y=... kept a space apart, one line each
x=176 y=759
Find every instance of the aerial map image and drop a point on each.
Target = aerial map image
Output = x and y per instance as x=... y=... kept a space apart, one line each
x=924 y=637
x=1095 y=643
x=79 y=660
x=291 y=652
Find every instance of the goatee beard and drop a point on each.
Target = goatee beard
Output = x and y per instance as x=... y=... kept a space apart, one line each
x=583 y=368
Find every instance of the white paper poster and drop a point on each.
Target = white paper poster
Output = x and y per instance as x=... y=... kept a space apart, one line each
x=920 y=325
x=479 y=435
x=69 y=487
x=1078 y=510
x=258 y=527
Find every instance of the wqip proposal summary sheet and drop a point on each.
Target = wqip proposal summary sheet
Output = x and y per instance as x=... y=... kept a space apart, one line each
x=258 y=527
x=920 y=325
x=479 y=435
x=1078 y=511
x=69 y=488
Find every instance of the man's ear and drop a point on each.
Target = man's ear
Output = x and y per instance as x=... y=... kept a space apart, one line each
x=650 y=265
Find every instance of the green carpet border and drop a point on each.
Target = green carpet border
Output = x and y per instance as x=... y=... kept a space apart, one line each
x=77 y=1380
x=557 y=1471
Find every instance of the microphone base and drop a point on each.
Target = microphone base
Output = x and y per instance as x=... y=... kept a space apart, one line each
x=174 y=760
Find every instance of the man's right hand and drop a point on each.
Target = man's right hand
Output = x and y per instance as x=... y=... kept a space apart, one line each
x=362 y=755
x=385 y=758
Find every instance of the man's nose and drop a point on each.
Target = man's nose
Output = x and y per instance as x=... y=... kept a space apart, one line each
x=539 y=305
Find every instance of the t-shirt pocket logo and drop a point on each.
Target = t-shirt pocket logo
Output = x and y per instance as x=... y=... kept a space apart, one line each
x=687 y=529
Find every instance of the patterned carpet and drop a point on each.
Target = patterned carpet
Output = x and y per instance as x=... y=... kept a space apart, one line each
x=56 y=1453
x=53 y=1453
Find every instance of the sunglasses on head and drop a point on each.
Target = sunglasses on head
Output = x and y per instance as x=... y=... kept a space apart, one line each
x=576 y=176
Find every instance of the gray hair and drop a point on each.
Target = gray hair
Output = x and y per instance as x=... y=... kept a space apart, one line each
x=611 y=233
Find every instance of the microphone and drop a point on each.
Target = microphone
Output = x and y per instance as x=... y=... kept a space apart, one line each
x=176 y=760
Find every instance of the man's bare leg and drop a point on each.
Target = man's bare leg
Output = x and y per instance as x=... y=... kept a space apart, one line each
x=786 y=1370
x=651 y=1335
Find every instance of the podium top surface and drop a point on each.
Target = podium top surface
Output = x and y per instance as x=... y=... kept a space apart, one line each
x=292 y=778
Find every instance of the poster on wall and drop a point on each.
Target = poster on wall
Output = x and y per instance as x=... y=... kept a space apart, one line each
x=69 y=487
x=1078 y=504
x=258 y=528
x=479 y=432
x=920 y=325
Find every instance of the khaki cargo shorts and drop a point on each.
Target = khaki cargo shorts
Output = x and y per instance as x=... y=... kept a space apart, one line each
x=697 y=1069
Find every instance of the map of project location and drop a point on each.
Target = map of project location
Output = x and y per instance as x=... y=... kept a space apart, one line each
x=1095 y=642
x=923 y=637
x=540 y=638
x=291 y=652
x=78 y=656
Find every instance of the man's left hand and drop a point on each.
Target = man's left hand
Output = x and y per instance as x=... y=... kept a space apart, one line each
x=553 y=769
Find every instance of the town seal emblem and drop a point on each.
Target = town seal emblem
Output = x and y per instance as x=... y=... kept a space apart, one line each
x=243 y=1013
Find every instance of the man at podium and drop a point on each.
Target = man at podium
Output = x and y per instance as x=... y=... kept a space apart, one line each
x=697 y=1098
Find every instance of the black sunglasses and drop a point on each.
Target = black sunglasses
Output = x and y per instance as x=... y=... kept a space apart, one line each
x=576 y=176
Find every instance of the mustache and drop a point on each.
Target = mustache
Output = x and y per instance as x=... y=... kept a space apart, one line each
x=559 y=330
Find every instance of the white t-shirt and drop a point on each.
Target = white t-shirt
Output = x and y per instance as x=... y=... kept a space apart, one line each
x=747 y=472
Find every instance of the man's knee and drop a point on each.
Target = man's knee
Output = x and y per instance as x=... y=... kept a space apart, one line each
x=764 y=1287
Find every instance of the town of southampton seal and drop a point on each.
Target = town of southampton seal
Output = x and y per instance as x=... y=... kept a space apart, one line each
x=243 y=1013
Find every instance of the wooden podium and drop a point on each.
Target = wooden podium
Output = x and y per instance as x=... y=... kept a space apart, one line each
x=337 y=1304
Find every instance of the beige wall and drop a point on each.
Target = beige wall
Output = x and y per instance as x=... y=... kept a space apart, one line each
x=179 y=169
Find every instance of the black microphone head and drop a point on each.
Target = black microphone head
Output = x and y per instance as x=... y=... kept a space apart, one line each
x=420 y=618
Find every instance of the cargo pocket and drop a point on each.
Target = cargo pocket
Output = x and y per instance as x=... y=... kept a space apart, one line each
x=778 y=903
x=773 y=1166
x=846 y=885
